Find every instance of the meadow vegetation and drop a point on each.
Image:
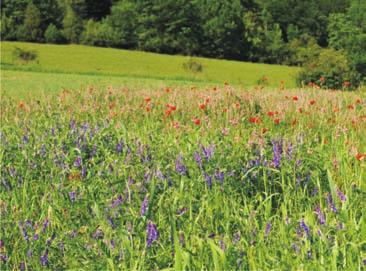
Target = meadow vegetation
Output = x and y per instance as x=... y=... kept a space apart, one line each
x=184 y=178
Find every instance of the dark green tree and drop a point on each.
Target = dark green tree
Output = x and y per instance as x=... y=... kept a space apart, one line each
x=72 y=25
x=53 y=35
x=123 y=22
x=32 y=23
x=12 y=17
x=170 y=26
x=223 y=29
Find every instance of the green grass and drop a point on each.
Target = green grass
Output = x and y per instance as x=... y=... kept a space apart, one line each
x=24 y=84
x=78 y=59
x=70 y=159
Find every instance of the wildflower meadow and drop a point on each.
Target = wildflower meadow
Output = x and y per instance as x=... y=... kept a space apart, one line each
x=183 y=178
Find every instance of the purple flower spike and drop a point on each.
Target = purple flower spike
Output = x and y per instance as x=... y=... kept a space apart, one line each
x=72 y=196
x=179 y=167
x=331 y=203
x=198 y=159
x=22 y=266
x=119 y=146
x=45 y=225
x=44 y=258
x=208 y=179
x=4 y=258
x=305 y=228
x=117 y=202
x=219 y=175
x=152 y=233
x=144 y=206
x=208 y=152
x=320 y=215
x=289 y=151
x=24 y=231
x=277 y=153
x=78 y=162
x=268 y=229
x=341 y=195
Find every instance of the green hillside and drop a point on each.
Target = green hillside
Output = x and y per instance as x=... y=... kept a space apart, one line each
x=85 y=60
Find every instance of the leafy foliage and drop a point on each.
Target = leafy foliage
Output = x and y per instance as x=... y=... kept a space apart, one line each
x=271 y=31
x=53 y=34
x=23 y=55
x=329 y=70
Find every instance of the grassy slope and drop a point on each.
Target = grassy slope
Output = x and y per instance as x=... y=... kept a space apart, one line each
x=28 y=83
x=78 y=59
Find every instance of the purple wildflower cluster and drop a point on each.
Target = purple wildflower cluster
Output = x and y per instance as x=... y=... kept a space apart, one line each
x=152 y=233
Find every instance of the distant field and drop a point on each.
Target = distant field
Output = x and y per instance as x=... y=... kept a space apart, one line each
x=28 y=83
x=120 y=66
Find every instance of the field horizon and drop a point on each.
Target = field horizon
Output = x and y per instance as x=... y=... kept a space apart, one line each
x=99 y=64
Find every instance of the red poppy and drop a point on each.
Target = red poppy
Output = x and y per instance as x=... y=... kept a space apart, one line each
x=312 y=102
x=277 y=121
x=270 y=114
x=358 y=101
x=197 y=121
x=147 y=99
x=168 y=112
x=255 y=120
x=171 y=107
x=360 y=156
x=351 y=107
x=202 y=106
x=295 y=98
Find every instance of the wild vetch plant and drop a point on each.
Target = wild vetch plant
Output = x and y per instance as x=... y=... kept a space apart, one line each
x=183 y=179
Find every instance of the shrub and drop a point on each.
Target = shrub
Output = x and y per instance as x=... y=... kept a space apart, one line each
x=193 y=65
x=330 y=70
x=99 y=34
x=53 y=35
x=23 y=55
x=301 y=50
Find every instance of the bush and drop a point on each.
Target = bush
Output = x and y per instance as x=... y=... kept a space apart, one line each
x=99 y=34
x=23 y=55
x=330 y=70
x=193 y=65
x=53 y=35
x=301 y=50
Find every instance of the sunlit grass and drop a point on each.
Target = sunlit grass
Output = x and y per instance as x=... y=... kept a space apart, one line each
x=233 y=179
x=80 y=59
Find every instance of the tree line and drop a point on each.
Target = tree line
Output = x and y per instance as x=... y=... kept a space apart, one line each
x=272 y=31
